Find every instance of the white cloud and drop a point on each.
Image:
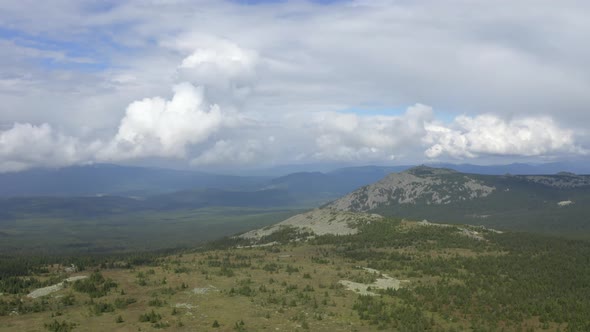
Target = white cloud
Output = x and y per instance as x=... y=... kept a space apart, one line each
x=219 y=63
x=155 y=127
x=186 y=127
x=217 y=70
x=227 y=70
x=24 y=146
x=471 y=137
x=353 y=137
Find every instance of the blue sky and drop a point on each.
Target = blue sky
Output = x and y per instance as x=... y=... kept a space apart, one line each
x=256 y=2
x=81 y=54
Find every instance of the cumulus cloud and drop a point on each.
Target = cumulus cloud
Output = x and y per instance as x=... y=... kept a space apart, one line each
x=155 y=127
x=353 y=137
x=471 y=137
x=219 y=63
x=227 y=70
x=216 y=69
x=24 y=146
x=188 y=128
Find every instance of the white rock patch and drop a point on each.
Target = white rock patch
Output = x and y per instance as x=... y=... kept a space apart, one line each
x=53 y=288
x=384 y=282
x=319 y=222
x=187 y=306
x=205 y=290
x=407 y=188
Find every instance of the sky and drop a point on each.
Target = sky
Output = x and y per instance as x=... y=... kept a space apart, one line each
x=220 y=85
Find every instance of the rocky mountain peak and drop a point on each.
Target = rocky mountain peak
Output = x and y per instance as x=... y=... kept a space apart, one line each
x=422 y=184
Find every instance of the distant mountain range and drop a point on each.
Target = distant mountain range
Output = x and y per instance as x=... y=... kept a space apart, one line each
x=438 y=194
x=106 y=179
x=574 y=166
x=551 y=203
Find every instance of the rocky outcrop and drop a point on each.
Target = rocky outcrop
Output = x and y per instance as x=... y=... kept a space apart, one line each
x=318 y=222
x=421 y=184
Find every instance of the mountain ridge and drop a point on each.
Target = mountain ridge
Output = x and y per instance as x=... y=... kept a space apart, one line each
x=517 y=202
x=420 y=183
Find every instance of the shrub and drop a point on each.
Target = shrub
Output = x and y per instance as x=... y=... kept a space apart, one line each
x=152 y=317
x=56 y=326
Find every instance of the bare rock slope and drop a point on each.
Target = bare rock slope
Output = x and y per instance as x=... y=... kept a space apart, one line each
x=318 y=222
x=420 y=184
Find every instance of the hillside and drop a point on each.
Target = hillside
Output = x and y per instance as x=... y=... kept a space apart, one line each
x=388 y=275
x=546 y=203
x=317 y=222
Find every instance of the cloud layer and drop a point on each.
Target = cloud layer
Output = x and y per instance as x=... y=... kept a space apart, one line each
x=24 y=146
x=471 y=137
x=220 y=84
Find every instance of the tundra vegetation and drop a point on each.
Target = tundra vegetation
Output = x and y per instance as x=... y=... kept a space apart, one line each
x=449 y=282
